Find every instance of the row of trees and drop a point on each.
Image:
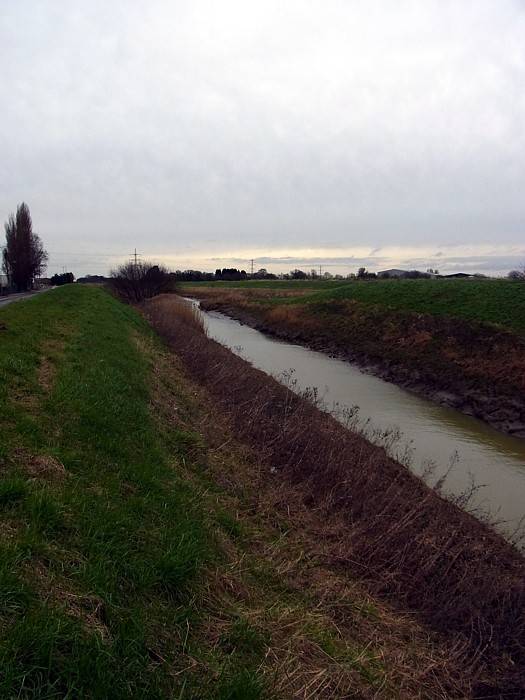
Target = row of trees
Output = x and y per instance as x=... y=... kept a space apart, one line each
x=24 y=257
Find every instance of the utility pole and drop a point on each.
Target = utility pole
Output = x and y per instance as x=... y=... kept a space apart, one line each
x=320 y=270
x=135 y=257
x=252 y=267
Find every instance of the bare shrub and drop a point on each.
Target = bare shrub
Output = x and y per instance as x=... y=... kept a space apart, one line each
x=134 y=282
x=406 y=542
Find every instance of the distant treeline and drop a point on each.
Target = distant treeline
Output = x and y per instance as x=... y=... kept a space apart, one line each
x=232 y=274
x=226 y=274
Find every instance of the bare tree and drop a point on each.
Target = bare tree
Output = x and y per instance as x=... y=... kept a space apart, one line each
x=24 y=257
x=134 y=282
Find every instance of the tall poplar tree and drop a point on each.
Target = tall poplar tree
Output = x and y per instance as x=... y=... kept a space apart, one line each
x=24 y=257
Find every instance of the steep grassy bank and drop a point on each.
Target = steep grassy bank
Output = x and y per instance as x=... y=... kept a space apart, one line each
x=407 y=545
x=475 y=367
x=146 y=554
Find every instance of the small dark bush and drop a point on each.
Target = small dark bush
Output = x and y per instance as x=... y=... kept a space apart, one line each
x=134 y=282
x=64 y=278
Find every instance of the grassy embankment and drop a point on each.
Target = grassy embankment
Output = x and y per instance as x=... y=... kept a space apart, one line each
x=500 y=302
x=141 y=555
x=381 y=524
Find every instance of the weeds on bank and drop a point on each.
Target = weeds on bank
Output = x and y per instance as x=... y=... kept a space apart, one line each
x=121 y=573
x=407 y=543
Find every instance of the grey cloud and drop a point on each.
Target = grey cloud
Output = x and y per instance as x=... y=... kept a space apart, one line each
x=169 y=125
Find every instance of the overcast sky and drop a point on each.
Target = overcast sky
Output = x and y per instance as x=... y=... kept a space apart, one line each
x=296 y=132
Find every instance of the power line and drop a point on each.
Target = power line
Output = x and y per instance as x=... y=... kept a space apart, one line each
x=85 y=255
x=135 y=255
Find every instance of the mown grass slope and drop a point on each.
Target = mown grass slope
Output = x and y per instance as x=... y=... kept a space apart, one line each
x=500 y=302
x=268 y=284
x=101 y=541
x=490 y=301
x=130 y=565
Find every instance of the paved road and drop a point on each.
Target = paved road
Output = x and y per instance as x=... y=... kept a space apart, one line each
x=4 y=301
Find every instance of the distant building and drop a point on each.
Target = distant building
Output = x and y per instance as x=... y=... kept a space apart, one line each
x=392 y=273
x=41 y=282
x=92 y=279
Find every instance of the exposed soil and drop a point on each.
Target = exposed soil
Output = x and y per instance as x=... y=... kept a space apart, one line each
x=477 y=369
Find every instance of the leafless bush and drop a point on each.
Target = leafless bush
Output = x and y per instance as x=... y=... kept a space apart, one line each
x=409 y=545
x=134 y=282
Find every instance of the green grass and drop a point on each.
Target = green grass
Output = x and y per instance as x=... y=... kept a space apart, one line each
x=500 y=302
x=268 y=284
x=121 y=529
x=104 y=562
x=111 y=529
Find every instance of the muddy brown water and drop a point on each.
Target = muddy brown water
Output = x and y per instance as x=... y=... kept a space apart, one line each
x=464 y=449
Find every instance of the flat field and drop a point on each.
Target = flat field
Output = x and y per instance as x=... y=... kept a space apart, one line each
x=500 y=302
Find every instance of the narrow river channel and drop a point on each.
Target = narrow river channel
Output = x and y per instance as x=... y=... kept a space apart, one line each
x=434 y=434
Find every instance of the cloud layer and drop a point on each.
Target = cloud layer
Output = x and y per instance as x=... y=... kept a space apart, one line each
x=201 y=130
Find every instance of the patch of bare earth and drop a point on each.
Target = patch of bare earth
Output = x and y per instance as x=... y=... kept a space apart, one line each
x=44 y=467
x=52 y=350
x=57 y=592
x=30 y=399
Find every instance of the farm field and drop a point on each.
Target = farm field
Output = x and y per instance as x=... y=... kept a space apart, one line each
x=500 y=302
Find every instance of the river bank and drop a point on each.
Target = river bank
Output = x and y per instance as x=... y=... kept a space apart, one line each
x=145 y=553
x=399 y=538
x=175 y=523
x=475 y=368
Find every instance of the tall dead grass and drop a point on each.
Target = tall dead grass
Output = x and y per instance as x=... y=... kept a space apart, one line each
x=174 y=310
x=407 y=543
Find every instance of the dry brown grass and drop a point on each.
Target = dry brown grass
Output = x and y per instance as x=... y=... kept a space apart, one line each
x=326 y=636
x=235 y=295
x=404 y=542
x=186 y=313
x=51 y=351
x=44 y=467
